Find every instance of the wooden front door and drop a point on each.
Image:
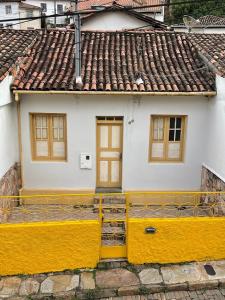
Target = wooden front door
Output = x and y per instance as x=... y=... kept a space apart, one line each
x=109 y=151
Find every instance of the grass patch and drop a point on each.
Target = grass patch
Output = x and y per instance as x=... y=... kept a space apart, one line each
x=143 y=290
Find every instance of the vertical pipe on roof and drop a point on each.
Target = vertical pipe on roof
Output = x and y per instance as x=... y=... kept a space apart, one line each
x=77 y=39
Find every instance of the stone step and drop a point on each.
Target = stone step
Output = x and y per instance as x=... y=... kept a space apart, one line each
x=113 y=210
x=113 y=224
x=113 y=236
x=113 y=217
x=113 y=242
x=112 y=199
x=113 y=230
x=111 y=263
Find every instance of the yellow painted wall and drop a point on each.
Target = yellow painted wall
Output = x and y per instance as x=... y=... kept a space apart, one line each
x=46 y=247
x=176 y=240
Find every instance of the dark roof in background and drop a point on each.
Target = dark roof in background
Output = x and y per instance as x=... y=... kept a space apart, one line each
x=116 y=7
x=13 y=47
x=211 y=20
x=2 y=1
x=112 y=61
x=29 y=6
x=129 y=3
x=212 y=47
x=205 y=22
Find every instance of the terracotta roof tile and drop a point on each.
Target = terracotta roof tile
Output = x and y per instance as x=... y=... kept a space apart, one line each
x=13 y=46
x=211 y=20
x=212 y=48
x=131 y=3
x=112 y=61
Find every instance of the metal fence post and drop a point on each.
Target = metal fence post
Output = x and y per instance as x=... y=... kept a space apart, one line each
x=127 y=199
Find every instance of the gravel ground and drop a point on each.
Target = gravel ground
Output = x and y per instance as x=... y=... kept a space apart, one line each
x=54 y=212
x=218 y=294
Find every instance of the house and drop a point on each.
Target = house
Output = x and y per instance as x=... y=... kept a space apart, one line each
x=110 y=18
x=140 y=120
x=50 y=7
x=14 y=9
x=13 y=46
x=9 y=9
x=205 y=24
x=154 y=10
x=28 y=10
x=117 y=17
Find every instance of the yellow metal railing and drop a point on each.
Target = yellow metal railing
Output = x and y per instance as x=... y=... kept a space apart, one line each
x=29 y=208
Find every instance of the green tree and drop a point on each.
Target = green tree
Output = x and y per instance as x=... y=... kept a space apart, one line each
x=196 y=10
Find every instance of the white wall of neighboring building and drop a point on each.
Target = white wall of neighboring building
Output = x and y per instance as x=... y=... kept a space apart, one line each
x=157 y=16
x=215 y=155
x=212 y=30
x=14 y=13
x=50 y=4
x=8 y=128
x=18 y=12
x=138 y=173
x=35 y=24
x=114 y=20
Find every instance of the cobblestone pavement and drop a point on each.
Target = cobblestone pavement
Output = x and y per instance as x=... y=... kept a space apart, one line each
x=218 y=294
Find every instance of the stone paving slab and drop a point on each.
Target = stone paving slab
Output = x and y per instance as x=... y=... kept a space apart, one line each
x=116 y=278
x=218 y=266
x=150 y=276
x=182 y=273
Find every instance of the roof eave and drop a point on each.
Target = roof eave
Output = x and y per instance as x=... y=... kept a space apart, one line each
x=115 y=93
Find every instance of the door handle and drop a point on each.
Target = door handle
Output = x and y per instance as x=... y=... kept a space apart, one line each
x=121 y=155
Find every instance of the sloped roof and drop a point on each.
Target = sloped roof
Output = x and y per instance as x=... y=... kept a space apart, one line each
x=3 y=1
x=13 y=47
x=129 y=3
x=116 y=7
x=211 y=20
x=29 y=6
x=212 y=47
x=112 y=61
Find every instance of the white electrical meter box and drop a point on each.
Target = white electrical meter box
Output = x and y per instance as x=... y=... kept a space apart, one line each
x=85 y=161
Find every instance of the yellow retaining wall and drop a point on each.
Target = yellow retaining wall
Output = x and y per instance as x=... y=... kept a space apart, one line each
x=176 y=240
x=47 y=247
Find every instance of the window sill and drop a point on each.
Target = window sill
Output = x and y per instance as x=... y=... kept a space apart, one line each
x=166 y=162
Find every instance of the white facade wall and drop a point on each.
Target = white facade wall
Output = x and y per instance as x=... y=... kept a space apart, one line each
x=51 y=8
x=112 y=21
x=159 y=16
x=18 y=12
x=14 y=14
x=215 y=155
x=8 y=128
x=138 y=173
x=219 y=30
x=35 y=24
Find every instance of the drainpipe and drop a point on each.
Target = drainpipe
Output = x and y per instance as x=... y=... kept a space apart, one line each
x=77 y=39
x=19 y=138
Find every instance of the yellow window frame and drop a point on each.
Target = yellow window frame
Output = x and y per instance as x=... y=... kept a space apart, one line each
x=165 y=141
x=50 y=138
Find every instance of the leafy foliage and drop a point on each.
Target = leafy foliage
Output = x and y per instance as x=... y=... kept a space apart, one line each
x=196 y=10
